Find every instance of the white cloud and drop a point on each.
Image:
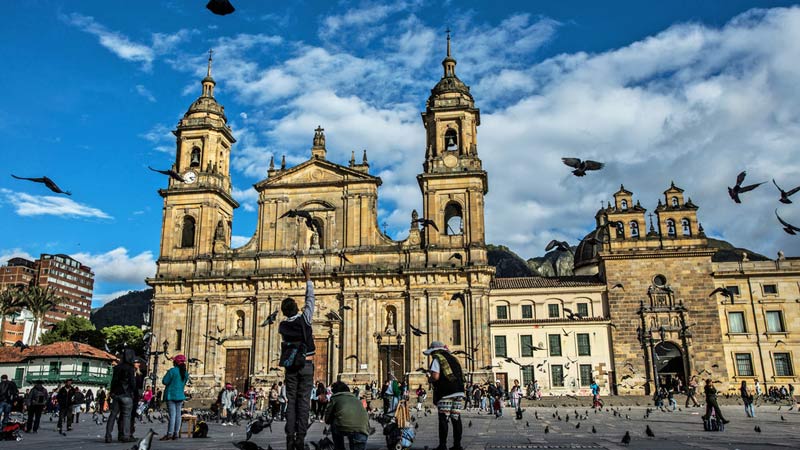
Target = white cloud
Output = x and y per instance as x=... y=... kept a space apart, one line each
x=118 y=266
x=144 y=92
x=7 y=254
x=238 y=241
x=123 y=46
x=39 y=205
x=161 y=137
x=247 y=197
x=101 y=299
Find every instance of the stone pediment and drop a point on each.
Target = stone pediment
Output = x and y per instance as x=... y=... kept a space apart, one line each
x=316 y=171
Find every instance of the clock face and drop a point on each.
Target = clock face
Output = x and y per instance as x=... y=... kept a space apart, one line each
x=450 y=160
x=190 y=177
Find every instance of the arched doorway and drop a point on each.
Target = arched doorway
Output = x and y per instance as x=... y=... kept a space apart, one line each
x=669 y=363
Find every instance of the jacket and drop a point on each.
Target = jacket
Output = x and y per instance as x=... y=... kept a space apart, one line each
x=37 y=396
x=298 y=327
x=228 y=397
x=451 y=378
x=174 y=385
x=65 y=397
x=346 y=413
x=8 y=391
x=123 y=378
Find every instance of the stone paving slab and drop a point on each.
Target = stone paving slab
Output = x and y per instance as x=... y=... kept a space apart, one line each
x=674 y=430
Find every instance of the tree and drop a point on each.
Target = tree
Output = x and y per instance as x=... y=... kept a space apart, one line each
x=39 y=302
x=120 y=337
x=11 y=302
x=67 y=330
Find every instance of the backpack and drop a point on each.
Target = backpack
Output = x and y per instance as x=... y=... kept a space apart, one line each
x=238 y=402
x=38 y=398
x=200 y=430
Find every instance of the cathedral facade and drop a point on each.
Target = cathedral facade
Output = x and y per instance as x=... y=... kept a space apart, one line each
x=374 y=294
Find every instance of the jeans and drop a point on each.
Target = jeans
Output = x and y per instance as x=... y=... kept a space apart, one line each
x=749 y=410
x=64 y=416
x=174 y=409
x=5 y=411
x=298 y=389
x=121 y=408
x=393 y=404
x=34 y=416
x=357 y=441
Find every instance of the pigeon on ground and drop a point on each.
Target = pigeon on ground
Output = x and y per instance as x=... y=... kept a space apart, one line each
x=757 y=429
x=594 y=430
x=246 y=445
x=145 y=442
x=546 y=429
x=627 y=438
x=649 y=432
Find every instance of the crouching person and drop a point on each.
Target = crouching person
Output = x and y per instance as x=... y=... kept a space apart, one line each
x=347 y=418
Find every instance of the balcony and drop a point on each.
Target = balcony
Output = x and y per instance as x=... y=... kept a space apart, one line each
x=77 y=377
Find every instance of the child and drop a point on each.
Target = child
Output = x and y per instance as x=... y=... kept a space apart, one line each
x=498 y=406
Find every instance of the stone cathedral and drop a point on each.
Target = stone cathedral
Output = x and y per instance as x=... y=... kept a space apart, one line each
x=211 y=300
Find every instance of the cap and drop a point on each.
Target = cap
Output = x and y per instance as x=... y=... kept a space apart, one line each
x=179 y=359
x=435 y=345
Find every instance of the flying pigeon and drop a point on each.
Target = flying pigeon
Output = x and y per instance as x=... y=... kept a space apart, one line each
x=785 y=194
x=47 y=182
x=582 y=166
x=739 y=189
x=220 y=7
x=172 y=174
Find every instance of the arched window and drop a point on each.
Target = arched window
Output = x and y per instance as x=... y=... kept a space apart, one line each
x=453 y=219
x=195 y=159
x=187 y=233
x=624 y=205
x=634 y=228
x=687 y=229
x=674 y=202
x=671 y=228
x=620 y=230
x=450 y=139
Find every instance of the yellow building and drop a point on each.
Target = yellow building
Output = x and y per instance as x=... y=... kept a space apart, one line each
x=760 y=326
x=211 y=300
x=551 y=330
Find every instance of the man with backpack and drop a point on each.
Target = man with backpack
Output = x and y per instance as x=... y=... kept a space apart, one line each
x=8 y=393
x=447 y=379
x=122 y=391
x=65 y=400
x=297 y=358
x=36 y=401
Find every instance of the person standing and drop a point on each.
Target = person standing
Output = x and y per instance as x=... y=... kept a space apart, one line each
x=274 y=405
x=8 y=394
x=36 y=401
x=711 y=402
x=89 y=399
x=448 y=392
x=347 y=418
x=421 y=396
x=296 y=333
x=123 y=385
x=174 y=382
x=758 y=389
x=691 y=392
x=251 y=397
x=78 y=401
x=747 y=399
x=282 y=399
x=101 y=401
x=596 y=403
x=65 y=400
x=228 y=400
x=516 y=397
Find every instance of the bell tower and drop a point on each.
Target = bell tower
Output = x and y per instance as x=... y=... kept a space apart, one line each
x=198 y=211
x=453 y=181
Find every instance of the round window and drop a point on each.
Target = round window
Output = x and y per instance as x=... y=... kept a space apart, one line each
x=660 y=280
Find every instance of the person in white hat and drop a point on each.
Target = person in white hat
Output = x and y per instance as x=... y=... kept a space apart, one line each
x=447 y=378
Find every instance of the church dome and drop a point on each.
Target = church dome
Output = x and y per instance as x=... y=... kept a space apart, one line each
x=590 y=246
x=450 y=84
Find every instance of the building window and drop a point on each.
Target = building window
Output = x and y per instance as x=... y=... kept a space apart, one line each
x=744 y=365
x=178 y=339
x=85 y=368
x=624 y=205
x=527 y=311
x=55 y=368
x=502 y=312
x=775 y=322
x=733 y=289
x=586 y=374
x=19 y=374
x=674 y=202
x=634 y=229
x=584 y=348
x=583 y=309
x=500 y=346
x=770 y=289
x=187 y=234
x=557 y=375
x=527 y=375
x=783 y=365
x=687 y=229
x=552 y=311
x=526 y=342
x=456 y=332
x=195 y=158
x=620 y=230
x=555 y=344
x=453 y=219
x=450 y=140
x=671 y=228
x=736 y=322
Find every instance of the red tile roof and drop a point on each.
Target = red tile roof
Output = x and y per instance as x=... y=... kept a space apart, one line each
x=545 y=282
x=14 y=355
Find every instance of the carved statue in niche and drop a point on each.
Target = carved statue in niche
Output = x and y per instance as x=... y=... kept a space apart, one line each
x=219 y=232
x=240 y=325
x=390 y=320
x=314 y=241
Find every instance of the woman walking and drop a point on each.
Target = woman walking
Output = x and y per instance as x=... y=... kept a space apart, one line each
x=691 y=391
x=747 y=399
x=711 y=402
x=174 y=383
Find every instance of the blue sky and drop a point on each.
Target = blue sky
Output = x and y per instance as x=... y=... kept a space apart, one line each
x=683 y=90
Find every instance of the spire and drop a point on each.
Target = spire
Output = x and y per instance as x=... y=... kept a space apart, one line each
x=208 y=82
x=272 y=162
x=352 y=158
x=283 y=162
x=364 y=159
x=449 y=63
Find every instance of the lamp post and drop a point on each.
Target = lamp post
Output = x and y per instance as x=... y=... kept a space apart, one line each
x=156 y=354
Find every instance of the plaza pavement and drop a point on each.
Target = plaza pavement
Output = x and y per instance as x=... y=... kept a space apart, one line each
x=674 y=430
